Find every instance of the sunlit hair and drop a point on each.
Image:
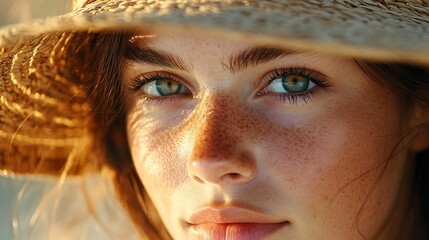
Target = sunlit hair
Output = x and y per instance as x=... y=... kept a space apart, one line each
x=107 y=97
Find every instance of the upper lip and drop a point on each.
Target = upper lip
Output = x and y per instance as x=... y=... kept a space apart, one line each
x=229 y=214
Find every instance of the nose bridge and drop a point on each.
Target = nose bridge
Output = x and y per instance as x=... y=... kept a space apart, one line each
x=219 y=153
x=215 y=130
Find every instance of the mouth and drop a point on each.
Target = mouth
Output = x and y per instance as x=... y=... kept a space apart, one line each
x=233 y=223
x=235 y=231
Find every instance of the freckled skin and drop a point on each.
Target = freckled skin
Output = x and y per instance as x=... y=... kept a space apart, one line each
x=217 y=138
x=312 y=164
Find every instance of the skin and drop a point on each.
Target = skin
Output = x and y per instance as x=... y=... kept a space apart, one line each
x=311 y=163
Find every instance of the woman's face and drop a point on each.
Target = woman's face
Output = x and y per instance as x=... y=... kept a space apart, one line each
x=234 y=140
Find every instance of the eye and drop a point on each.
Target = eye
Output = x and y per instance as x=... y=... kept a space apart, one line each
x=160 y=85
x=293 y=84
x=164 y=87
x=290 y=84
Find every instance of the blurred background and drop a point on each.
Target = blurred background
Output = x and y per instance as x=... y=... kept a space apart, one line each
x=14 y=11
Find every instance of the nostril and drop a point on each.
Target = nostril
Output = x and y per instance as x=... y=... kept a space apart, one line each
x=232 y=176
x=197 y=179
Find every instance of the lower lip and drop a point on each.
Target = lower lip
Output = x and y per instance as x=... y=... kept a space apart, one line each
x=235 y=231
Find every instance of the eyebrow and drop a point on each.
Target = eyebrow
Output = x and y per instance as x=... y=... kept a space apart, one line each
x=254 y=56
x=236 y=62
x=154 y=57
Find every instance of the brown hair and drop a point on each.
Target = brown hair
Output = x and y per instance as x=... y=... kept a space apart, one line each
x=110 y=142
x=106 y=95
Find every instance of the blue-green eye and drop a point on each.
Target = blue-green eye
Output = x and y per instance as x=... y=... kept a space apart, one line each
x=163 y=86
x=293 y=84
x=290 y=83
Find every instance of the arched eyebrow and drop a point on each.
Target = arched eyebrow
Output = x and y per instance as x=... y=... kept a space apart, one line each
x=154 y=57
x=236 y=62
x=253 y=57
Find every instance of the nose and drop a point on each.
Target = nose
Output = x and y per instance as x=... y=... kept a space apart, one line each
x=220 y=154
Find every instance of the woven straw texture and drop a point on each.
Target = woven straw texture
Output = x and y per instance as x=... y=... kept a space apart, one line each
x=392 y=29
x=44 y=115
x=43 y=111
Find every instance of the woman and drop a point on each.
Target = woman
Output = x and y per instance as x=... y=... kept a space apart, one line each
x=296 y=133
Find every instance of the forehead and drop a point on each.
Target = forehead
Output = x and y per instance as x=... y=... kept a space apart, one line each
x=177 y=40
x=191 y=47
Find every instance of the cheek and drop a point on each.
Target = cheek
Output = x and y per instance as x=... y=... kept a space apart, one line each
x=354 y=136
x=155 y=155
x=329 y=163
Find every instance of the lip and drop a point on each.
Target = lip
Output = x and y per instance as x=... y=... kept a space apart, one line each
x=232 y=223
x=235 y=231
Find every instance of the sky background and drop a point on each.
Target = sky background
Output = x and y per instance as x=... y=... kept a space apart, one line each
x=13 y=11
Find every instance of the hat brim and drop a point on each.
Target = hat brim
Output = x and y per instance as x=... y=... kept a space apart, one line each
x=398 y=31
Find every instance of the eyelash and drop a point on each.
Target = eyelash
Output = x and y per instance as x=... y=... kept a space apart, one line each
x=138 y=82
x=320 y=80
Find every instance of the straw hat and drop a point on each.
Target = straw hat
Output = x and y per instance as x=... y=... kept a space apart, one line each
x=44 y=112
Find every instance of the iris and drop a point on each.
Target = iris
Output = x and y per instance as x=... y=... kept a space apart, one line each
x=167 y=87
x=295 y=83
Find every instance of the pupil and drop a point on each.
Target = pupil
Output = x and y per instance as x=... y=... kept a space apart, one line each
x=167 y=87
x=295 y=84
